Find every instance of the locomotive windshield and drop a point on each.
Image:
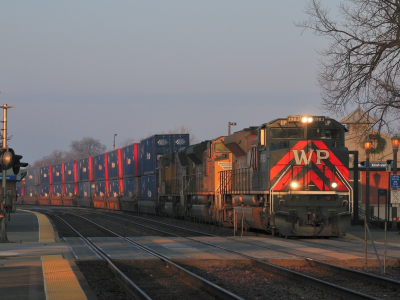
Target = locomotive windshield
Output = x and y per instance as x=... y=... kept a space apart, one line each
x=286 y=133
x=319 y=133
x=219 y=147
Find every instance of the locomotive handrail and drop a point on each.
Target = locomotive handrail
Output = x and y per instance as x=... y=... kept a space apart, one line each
x=271 y=191
x=222 y=181
x=341 y=177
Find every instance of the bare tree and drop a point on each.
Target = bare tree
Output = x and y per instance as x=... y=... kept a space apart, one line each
x=86 y=147
x=361 y=65
x=127 y=142
x=55 y=157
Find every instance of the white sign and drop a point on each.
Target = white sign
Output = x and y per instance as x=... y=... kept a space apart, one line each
x=395 y=196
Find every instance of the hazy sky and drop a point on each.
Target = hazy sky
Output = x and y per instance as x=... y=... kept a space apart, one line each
x=95 y=68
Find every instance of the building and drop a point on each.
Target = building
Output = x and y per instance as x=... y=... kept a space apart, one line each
x=358 y=124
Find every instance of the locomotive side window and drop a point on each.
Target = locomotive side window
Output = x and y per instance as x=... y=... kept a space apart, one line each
x=329 y=134
x=286 y=133
x=219 y=147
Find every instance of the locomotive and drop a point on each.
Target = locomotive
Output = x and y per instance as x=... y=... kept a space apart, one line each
x=289 y=177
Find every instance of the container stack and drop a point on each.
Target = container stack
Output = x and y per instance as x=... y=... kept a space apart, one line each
x=118 y=179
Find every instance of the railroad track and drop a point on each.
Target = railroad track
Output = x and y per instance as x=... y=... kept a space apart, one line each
x=361 y=277
x=298 y=276
x=194 y=281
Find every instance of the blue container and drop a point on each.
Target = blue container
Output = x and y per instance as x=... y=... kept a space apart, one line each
x=152 y=148
x=69 y=172
x=113 y=188
x=69 y=189
x=131 y=160
x=84 y=189
x=129 y=187
x=99 y=167
x=45 y=191
x=100 y=189
x=56 y=173
x=31 y=178
x=113 y=164
x=32 y=190
x=84 y=169
x=148 y=187
x=44 y=175
x=57 y=190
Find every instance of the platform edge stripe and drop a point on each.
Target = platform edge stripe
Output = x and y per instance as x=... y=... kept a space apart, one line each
x=59 y=279
x=46 y=232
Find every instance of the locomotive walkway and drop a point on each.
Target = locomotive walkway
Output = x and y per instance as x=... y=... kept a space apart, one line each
x=37 y=264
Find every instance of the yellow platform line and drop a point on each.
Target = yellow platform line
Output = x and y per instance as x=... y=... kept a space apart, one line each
x=59 y=280
x=46 y=232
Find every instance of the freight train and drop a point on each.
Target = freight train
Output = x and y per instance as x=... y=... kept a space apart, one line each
x=289 y=177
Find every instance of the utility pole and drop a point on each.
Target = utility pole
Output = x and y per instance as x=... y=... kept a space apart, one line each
x=229 y=126
x=4 y=179
x=114 y=141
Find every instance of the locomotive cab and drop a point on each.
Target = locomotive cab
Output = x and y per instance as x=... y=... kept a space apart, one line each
x=290 y=176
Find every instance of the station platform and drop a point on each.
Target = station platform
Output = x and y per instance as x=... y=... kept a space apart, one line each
x=37 y=264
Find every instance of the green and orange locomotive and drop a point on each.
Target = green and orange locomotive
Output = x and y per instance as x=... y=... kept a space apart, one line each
x=289 y=176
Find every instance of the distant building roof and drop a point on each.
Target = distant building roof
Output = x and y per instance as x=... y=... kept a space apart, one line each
x=358 y=117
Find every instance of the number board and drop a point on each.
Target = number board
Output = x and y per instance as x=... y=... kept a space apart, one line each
x=294 y=119
x=319 y=119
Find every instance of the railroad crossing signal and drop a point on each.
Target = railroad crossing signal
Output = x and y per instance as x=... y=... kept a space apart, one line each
x=8 y=160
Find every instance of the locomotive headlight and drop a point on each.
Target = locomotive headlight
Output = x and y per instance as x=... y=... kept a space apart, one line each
x=304 y=119
x=309 y=120
x=294 y=184
x=334 y=185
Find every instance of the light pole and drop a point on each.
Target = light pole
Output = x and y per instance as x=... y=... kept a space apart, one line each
x=3 y=235
x=114 y=141
x=395 y=147
x=229 y=127
x=367 y=147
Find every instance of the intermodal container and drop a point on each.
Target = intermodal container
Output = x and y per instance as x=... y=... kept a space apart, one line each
x=70 y=172
x=70 y=189
x=100 y=188
x=32 y=190
x=45 y=191
x=129 y=187
x=84 y=189
x=148 y=187
x=57 y=190
x=152 y=148
x=45 y=175
x=56 y=174
x=114 y=188
x=131 y=160
x=85 y=169
x=31 y=178
x=99 y=167
x=114 y=164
